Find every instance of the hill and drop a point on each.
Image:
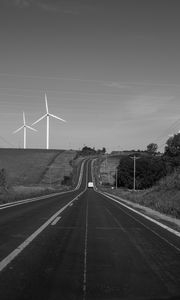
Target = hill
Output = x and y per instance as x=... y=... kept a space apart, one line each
x=35 y=171
x=26 y=166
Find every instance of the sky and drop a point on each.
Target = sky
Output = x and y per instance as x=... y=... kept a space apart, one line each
x=110 y=68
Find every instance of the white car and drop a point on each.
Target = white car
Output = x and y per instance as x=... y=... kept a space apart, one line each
x=90 y=184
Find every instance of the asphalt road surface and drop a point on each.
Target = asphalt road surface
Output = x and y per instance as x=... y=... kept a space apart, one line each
x=83 y=245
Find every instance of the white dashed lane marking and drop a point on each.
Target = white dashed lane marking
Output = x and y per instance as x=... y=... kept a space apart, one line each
x=55 y=221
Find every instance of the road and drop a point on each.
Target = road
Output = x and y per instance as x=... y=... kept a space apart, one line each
x=85 y=247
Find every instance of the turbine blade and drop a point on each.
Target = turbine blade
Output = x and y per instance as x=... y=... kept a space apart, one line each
x=24 y=120
x=46 y=104
x=31 y=128
x=39 y=120
x=57 y=118
x=18 y=129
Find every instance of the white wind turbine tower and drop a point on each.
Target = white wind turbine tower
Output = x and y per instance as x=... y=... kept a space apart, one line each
x=25 y=126
x=47 y=115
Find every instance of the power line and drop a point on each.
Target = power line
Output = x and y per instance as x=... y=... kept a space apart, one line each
x=7 y=142
x=164 y=134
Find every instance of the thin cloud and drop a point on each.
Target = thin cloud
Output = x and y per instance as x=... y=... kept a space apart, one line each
x=115 y=84
x=72 y=7
x=19 y=3
x=66 y=7
x=146 y=105
x=131 y=84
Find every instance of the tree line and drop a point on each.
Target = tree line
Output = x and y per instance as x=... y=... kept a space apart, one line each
x=88 y=151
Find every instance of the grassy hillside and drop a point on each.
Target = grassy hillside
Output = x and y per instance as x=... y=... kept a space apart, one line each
x=59 y=168
x=25 y=167
x=34 y=172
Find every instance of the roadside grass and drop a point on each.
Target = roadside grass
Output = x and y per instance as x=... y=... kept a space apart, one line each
x=16 y=193
x=163 y=197
x=76 y=166
x=34 y=172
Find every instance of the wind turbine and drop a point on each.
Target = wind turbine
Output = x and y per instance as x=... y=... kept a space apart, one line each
x=47 y=116
x=25 y=129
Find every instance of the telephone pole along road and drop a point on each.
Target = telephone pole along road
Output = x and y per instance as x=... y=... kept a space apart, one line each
x=83 y=245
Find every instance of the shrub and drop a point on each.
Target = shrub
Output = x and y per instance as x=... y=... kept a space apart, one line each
x=148 y=171
x=67 y=180
x=3 y=179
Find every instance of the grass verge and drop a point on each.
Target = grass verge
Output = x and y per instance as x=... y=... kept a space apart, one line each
x=163 y=197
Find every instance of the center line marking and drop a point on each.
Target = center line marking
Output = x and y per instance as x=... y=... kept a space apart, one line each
x=85 y=254
x=55 y=221
x=85 y=246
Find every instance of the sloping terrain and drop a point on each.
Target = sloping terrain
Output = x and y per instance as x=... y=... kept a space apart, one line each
x=33 y=172
x=25 y=167
x=60 y=167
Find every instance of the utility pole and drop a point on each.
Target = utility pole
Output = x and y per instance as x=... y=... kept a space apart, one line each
x=116 y=178
x=134 y=180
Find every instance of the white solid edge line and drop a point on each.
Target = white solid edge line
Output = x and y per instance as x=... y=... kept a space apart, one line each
x=147 y=227
x=19 y=249
x=55 y=221
x=20 y=202
x=177 y=233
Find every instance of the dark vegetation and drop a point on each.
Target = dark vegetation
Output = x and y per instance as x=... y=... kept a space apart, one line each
x=67 y=180
x=148 y=171
x=88 y=151
x=150 y=168
x=3 y=180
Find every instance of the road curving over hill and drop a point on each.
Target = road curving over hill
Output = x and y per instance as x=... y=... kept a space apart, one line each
x=83 y=245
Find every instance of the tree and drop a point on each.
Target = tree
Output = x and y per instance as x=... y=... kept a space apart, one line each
x=172 y=147
x=86 y=151
x=3 y=180
x=152 y=148
x=103 y=150
x=148 y=171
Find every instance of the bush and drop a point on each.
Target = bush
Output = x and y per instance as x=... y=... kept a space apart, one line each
x=148 y=171
x=3 y=180
x=67 y=180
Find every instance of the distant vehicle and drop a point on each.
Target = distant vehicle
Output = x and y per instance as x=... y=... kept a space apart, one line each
x=90 y=185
